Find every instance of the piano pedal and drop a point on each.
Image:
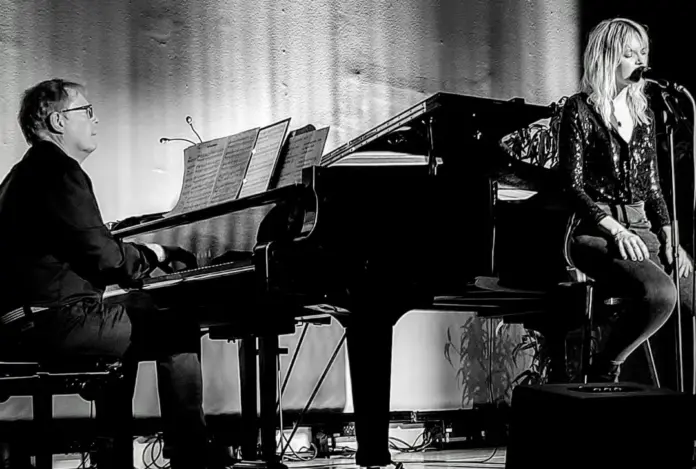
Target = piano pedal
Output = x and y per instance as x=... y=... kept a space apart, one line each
x=397 y=465
x=259 y=464
x=314 y=321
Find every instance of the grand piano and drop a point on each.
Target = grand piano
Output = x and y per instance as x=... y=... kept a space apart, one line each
x=364 y=243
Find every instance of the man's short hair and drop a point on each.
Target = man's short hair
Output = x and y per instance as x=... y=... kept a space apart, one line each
x=39 y=101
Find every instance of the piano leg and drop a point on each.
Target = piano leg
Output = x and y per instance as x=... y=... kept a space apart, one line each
x=247 y=373
x=268 y=380
x=370 y=358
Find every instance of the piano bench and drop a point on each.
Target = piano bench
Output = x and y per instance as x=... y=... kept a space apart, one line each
x=86 y=377
x=262 y=326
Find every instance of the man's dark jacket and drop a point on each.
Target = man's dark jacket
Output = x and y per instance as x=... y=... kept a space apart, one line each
x=54 y=246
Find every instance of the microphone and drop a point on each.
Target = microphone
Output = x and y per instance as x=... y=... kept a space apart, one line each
x=165 y=140
x=647 y=74
x=189 y=121
x=671 y=104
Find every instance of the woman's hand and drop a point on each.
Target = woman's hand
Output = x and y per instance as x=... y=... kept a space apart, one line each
x=685 y=265
x=631 y=245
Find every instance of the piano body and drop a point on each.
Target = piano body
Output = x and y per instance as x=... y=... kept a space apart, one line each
x=365 y=243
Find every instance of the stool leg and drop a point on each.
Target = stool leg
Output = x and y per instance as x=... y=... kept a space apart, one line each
x=651 y=363
x=42 y=404
x=587 y=333
x=556 y=344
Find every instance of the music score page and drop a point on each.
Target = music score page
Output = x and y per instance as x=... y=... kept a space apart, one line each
x=214 y=171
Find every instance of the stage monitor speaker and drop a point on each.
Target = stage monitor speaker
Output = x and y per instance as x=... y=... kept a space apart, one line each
x=600 y=426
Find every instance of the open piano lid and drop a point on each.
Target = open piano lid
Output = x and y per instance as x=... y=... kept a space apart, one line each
x=476 y=117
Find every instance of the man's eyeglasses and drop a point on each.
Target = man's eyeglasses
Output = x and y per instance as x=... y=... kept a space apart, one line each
x=88 y=108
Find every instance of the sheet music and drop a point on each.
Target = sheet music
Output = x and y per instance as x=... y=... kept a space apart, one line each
x=303 y=151
x=234 y=164
x=190 y=157
x=263 y=159
x=202 y=164
x=214 y=171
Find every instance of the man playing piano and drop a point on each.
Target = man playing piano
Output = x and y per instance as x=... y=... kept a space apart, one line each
x=58 y=257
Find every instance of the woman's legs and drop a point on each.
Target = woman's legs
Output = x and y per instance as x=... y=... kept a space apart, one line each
x=645 y=282
x=665 y=345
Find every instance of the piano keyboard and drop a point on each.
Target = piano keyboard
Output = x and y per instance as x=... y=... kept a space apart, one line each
x=211 y=272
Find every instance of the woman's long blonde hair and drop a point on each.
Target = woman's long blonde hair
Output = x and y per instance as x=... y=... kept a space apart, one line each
x=602 y=57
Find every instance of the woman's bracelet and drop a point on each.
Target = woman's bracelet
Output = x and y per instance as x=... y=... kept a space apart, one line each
x=616 y=232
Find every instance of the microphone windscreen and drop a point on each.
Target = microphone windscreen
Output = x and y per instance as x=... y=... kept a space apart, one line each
x=638 y=74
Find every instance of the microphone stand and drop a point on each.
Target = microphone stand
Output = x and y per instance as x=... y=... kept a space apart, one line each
x=686 y=92
x=670 y=123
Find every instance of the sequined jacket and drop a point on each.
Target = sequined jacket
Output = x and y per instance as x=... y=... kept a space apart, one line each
x=598 y=165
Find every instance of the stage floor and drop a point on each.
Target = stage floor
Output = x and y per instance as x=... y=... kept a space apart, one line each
x=459 y=459
x=478 y=458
